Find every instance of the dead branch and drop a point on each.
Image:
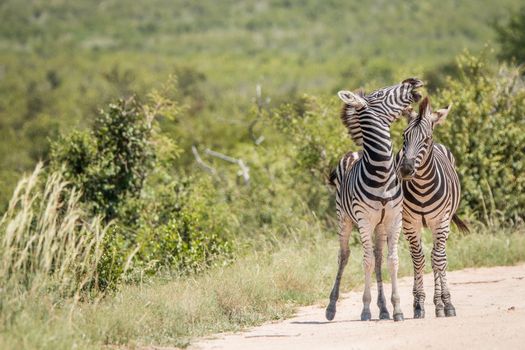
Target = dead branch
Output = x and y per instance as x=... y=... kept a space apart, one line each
x=244 y=169
x=201 y=163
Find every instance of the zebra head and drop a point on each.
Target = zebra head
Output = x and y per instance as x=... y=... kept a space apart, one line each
x=387 y=103
x=417 y=138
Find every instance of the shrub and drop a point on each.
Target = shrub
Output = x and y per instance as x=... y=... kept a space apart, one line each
x=485 y=134
x=511 y=37
x=111 y=162
x=125 y=167
x=185 y=229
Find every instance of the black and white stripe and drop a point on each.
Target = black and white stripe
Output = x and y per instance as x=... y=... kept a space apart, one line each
x=369 y=191
x=431 y=198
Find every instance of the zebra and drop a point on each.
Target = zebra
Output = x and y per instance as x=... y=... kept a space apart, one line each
x=432 y=193
x=369 y=194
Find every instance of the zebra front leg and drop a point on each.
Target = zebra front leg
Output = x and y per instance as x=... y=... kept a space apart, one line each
x=442 y=299
x=366 y=231
x=378 y=253
x=393 y=264
x=345 y=228
x=412 y=232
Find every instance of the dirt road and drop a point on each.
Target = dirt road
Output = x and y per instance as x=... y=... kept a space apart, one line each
x=490 y=305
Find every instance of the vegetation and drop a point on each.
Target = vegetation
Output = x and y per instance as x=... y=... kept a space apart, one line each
x=485 y=134
x=256 y=288
x=62 y=61
x=196 y=200
x=511 y=36
x=48 y=240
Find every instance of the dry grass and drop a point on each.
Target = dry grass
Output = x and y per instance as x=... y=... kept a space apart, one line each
x=48 y=237
x=259 y=287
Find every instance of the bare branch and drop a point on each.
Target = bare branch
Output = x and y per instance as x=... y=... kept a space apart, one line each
x=260 y=105
x=244 y=169
x=201 y=163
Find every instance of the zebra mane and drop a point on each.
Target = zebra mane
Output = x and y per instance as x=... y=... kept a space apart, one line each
x=350 y=120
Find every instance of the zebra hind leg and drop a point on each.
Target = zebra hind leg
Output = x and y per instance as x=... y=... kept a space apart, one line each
x=442 y=298
x=345 y=228
x=450 y=310
x=378 y=252
x=413 y=236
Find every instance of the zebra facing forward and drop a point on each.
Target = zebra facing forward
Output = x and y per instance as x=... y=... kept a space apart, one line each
x=369 y=194
x=431 y=197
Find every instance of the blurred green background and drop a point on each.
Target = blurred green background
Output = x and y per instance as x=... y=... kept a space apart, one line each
x=61 y=61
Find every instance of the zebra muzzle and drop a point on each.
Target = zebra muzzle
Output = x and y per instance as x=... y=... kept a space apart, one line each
x=407 y=169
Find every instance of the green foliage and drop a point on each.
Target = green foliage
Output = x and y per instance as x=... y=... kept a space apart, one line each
x=484 y=131
x=313 y=130
x=64 y=60
x=116 y=258
x=109 y=164
x=184 y=228
x=511 y=37
x=166 y=222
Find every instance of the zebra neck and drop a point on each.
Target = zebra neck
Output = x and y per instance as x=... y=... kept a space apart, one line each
x=427 y=164
x=377 y=150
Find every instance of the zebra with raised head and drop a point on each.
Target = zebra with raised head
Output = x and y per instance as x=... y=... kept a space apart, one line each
x=431 y=197
x=369 y=193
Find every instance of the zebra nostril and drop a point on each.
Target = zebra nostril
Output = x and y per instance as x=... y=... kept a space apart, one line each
x=407 y=167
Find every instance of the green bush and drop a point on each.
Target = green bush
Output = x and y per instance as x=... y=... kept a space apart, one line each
x=511 y=37
x=484 y=131
x=185 y=229
x=124 y=168
x=110 y=163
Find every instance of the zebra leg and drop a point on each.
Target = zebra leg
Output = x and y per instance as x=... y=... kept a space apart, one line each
x=442 y=298
x=378 y=253
x=394 y=230
x=366 y=232
x=412 y=232
x=345 y=228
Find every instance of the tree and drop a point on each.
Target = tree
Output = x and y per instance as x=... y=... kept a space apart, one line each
x=511 y=37
x=109 y=163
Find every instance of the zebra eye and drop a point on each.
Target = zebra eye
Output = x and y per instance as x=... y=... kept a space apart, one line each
x=379 y=94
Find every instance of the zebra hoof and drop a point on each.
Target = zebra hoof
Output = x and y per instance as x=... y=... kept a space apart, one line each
x=450 y=311
x=384 y=315
x=399 y=317
x=366 y=315
x=419 y=311
x=440 y=313
x=330 y=312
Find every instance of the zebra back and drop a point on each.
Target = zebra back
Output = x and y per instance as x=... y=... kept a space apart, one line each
x=345 y=164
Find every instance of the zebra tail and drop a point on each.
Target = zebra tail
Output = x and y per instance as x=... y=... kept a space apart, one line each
x=460 y=224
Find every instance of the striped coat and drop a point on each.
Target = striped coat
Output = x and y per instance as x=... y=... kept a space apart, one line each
x=369 y=193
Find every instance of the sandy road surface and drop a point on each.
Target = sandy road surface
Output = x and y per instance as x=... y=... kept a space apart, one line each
x=490 y=305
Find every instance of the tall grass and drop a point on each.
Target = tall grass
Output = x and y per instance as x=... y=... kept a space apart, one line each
x=47 y=239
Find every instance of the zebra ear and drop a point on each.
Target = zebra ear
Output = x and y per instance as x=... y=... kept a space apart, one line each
x=439 y=116
x=352 y=99
x=424 y=108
